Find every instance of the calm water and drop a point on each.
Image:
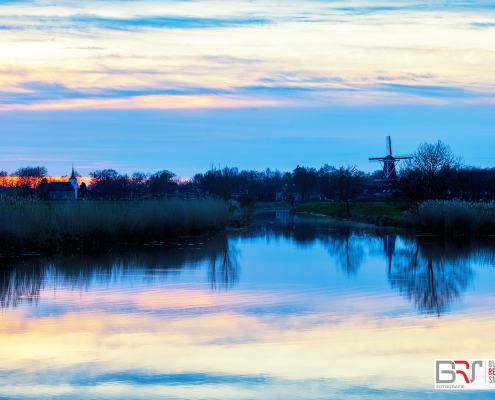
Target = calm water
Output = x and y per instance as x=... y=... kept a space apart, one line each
x=291 y=309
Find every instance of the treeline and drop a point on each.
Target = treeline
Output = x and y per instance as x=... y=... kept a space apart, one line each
x=434 y=173
x=227 y=183
x=108 y=183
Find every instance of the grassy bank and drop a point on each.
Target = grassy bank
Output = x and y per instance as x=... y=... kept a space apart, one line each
x=32 y=223
x=278 y=205
x=449 y=217
x=383 y=214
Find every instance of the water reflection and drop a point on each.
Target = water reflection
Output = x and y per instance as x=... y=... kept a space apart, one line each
x=24 y=281
x=314 y=305
x=348 y=249
x=430 y=272
x=344 y=243
x=223 y=269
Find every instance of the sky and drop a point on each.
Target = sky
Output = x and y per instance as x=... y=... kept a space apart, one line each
x=140 y=85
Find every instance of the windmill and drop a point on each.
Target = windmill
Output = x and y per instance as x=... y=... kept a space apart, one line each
x=389 y=162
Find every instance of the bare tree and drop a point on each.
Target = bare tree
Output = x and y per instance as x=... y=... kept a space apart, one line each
x=429 y=174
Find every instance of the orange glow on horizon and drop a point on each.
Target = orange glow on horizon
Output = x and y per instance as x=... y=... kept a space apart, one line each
x=14 y=181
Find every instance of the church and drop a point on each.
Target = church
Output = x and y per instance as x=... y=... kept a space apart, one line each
x=63 y=190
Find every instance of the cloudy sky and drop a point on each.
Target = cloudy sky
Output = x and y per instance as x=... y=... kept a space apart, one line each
x=181 y=85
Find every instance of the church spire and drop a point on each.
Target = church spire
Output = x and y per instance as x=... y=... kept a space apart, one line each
x=73 y=181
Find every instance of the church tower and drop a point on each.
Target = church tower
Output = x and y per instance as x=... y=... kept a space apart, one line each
x=73 y=181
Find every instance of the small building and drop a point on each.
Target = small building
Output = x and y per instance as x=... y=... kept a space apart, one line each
x=377 y=192
x=194 y=193
x=60 y=191
x=288 y=192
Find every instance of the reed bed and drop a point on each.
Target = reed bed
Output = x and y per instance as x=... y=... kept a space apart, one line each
x=455 y=217
x=35 y=222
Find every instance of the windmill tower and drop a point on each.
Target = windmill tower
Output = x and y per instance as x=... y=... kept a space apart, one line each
x=73 y=181
x=388 y=163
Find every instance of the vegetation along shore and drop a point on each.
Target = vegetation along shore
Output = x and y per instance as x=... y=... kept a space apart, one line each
x=451 y=217
x=377 y=213
x=37 y=225
x=430 y=190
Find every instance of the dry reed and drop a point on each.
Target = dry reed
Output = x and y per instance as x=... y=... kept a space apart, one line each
x=37 y=222
x=456 y=217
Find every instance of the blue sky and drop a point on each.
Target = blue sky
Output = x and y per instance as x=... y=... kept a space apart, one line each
x=180 y=85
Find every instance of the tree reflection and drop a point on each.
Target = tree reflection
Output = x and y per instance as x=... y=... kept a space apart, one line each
x=224 y=269
x=430 y=275
x=343 y=242
x=430 y=272
x=347 y=248
x=23 y=281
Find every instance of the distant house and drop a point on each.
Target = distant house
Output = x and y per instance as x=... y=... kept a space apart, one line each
x=287 y=192
x=238 y=194
x=60 y=191
x=378 y=192
x=194 y=193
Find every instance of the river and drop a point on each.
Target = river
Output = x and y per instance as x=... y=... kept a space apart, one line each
x=291 y=308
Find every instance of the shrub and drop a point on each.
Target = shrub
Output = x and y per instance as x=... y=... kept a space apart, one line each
x=245 y=200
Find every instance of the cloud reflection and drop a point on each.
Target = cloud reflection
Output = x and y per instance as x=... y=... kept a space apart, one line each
x=119 y=324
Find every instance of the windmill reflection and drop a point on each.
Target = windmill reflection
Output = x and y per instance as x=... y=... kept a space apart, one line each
x=430 y=275
x=389 y=248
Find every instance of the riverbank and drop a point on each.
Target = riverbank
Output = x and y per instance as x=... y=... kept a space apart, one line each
x=443 y=217
x=379 y=213
x=49 y=226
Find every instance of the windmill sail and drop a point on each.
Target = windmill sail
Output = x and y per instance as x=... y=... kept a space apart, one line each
x=389 y=146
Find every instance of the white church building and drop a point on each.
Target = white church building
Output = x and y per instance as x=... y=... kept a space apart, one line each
x=63 y=190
